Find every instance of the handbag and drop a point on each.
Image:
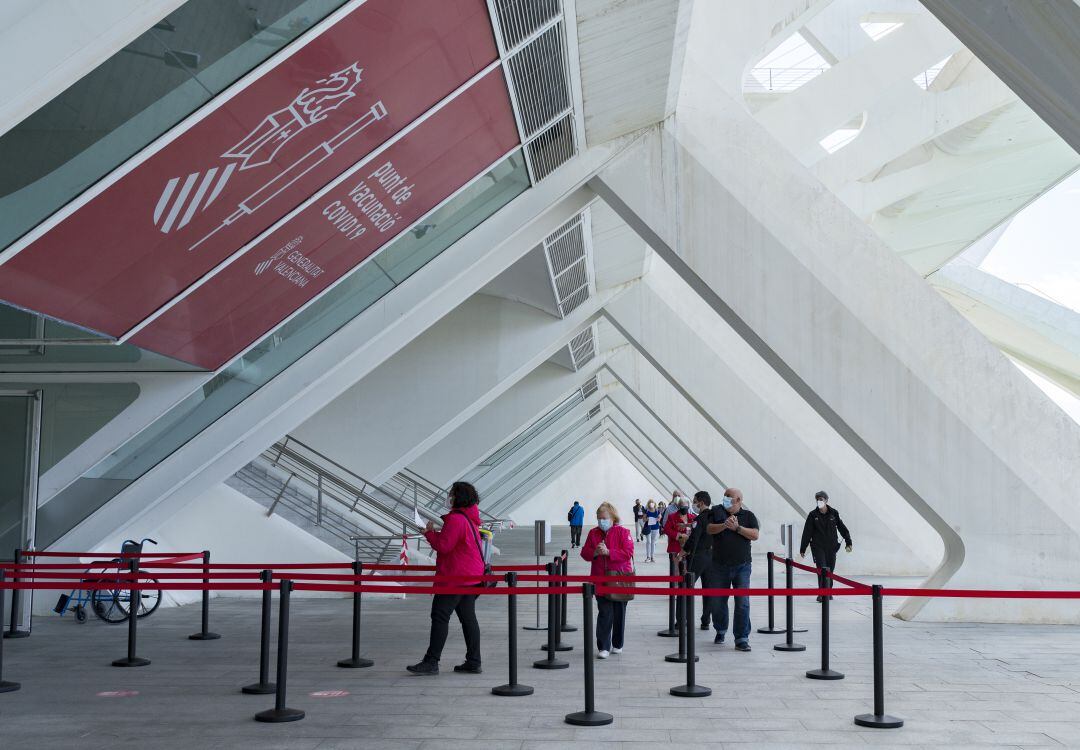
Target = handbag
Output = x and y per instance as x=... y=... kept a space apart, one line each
x=616 y=597
x=480 y=549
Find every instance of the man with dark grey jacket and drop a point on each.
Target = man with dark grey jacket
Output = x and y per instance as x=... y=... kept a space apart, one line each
x=697 y=549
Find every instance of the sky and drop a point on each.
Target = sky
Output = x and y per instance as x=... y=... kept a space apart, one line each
x=1040 y=251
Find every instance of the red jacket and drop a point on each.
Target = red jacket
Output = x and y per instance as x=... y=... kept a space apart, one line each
x=620 y=548
x=458 y=545
x=677 y=524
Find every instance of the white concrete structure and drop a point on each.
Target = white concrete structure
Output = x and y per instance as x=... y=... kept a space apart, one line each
x=735 y=263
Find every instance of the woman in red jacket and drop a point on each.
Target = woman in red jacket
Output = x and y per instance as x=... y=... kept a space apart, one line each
x=678 y=525
x=458 y=550
x=610 y=548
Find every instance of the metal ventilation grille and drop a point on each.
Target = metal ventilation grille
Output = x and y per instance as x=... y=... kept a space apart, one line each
x=590 y=387
x=520 y=18
x=566 y=246
x=538 y=73
x=571 y=281
x=574 y=301
x=582 y=348
x=594 y=412
x=568 y=264
x=552 y=148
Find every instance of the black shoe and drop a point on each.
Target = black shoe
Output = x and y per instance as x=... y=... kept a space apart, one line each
x=424 y=667
x=468 y=668
x=743 y=646
x=704 y=625
x=719 y=639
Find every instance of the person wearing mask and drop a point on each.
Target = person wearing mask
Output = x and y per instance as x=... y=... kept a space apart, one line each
x=576 y=517
x=820 y=534
x=652 y=530
x=669 y=510
x=677 y=530
x=458 y=553
x=639 y=519
x=610 y=549
x=733 y=528
x=696 y=552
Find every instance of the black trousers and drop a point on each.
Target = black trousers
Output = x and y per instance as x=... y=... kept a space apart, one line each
x=610 y=623
x=575 y=535
x=442 y=606
x=823 y=559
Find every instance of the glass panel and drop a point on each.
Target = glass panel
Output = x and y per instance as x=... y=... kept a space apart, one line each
x=286 y=345
x=135 y=96
x=18 y=324
x=14 y=456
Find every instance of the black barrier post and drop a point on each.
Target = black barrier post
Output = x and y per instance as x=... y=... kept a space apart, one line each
x=5 y=686
x=824 y=673
x=134 y=601
x=263 y=686
x=553 y=619
x=279 y=712
x=356 y=661
x=560 y=603
x=16 y=602
x=563 y=627
x=590 y=717
x=879 y=719
x=205 y=634
x=672 y=630
x=789 y=612
x=512 y=688
x=772 y=629
x=691 y=689
x=683 y=626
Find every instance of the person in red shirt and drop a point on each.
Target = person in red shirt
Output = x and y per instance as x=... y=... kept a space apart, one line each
x=678 y=526
x=610 y=549
x=459 y=553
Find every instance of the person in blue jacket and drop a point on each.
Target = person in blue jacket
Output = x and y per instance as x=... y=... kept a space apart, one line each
x=576 y=517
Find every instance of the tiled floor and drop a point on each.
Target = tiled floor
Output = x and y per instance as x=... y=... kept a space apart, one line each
x=955 y=685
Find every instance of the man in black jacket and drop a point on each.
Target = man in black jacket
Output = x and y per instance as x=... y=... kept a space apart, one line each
x=819 y=534
x=697 y=549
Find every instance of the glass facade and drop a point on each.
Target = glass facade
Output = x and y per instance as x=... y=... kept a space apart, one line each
x=284 y=346
x=135 y=96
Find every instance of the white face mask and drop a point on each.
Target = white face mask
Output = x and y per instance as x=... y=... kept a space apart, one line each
x=604 y=523
x=727 y=501
x=821 y=504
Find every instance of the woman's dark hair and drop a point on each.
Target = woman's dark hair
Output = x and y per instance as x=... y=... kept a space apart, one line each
x=703 y=497
x=463 y=495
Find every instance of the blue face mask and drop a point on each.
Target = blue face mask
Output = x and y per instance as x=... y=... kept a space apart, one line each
x=604 y=523
x=726 y=502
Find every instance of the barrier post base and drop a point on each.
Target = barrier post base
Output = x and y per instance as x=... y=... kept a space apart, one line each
x=568 y=629
x=690 y=691
x=824 y=674
x=204 y=637
x=358 y=663
x=259 y=688
x=135 y=661
x=17 y=634
x=512 y=691
x=276 y=716
x=558 y=647
x=679 y=658
x=879 y=721
x=772 y=631
x=789 y=647
x=550 y=664
x=9 y=687
x=668 y=633
x=589 y=718
x=534 y=627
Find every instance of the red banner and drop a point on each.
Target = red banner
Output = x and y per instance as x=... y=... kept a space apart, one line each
x=326 y=240
x=245 y=164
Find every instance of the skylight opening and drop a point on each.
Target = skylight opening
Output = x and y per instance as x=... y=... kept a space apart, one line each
x=927 y=77
x=788 y=67
x=837 y=139
x=878 y=30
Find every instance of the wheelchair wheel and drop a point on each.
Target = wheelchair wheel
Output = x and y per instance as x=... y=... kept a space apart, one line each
x=110 y=604
x=149 y=599
x=80 y=614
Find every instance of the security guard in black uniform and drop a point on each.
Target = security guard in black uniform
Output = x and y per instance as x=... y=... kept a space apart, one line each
x=820 y=532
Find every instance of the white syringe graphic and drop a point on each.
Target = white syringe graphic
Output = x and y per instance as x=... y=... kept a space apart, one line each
x=299 y=168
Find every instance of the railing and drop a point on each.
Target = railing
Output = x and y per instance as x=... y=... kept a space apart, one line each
x=778 y=80
x=410 y=485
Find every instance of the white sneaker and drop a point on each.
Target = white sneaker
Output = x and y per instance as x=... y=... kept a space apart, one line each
x=602 y=654
x=616 y=650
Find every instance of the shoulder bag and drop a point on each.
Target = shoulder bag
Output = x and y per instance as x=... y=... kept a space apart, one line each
x=480 y=549
x=619 y=597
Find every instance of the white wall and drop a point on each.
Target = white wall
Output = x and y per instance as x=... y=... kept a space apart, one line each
x=603 y=474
